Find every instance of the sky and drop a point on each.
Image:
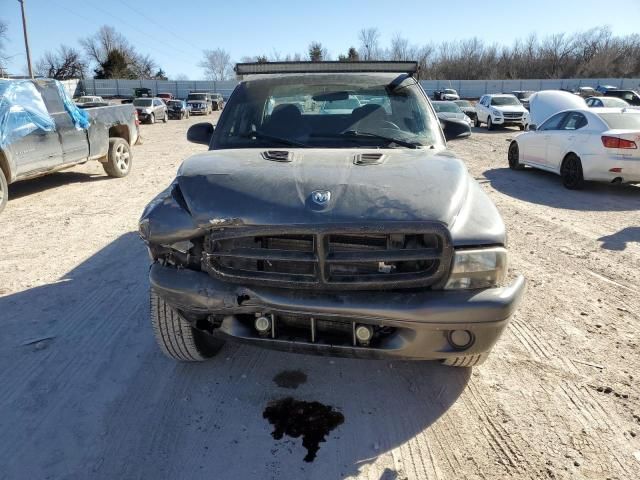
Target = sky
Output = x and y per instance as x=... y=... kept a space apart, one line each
x=174 y=33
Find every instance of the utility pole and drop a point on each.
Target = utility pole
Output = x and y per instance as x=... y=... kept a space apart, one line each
x=26 y=38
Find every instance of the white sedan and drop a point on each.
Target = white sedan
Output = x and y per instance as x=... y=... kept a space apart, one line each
x=581 y=144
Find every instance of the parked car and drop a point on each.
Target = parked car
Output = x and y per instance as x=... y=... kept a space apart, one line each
x=374 y=242
x=177 y=109
x=217 y=101
x=151 y=109
x=200 y=103
x=165 y=97
x=629 y=96
x=446 y=94
x=449 y=110
x=605 y=88
x=142 y=92
x=43 y=131
x=523 y=97
x=467 y=108
x=502 y=109
x=580 y=143
x=586 y=92
x=606 y=102
x=87 y=101
x=338 y=106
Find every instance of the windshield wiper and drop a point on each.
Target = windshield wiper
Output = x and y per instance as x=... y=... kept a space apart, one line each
x=403 y=143
x=283 y=141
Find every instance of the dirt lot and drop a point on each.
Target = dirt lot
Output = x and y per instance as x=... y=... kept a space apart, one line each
x=85 y=393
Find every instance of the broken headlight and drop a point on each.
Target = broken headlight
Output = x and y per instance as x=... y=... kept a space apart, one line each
x=477 y=268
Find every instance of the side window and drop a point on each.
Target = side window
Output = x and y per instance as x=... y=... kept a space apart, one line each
x=554 y=122
x=52 y=99
x=574 y=121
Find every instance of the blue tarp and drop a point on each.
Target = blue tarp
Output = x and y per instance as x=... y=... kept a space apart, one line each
x=22 y=110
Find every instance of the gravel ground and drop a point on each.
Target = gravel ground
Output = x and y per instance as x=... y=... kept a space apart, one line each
x=85 y=393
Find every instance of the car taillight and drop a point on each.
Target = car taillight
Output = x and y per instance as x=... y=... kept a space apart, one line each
x=135 y=114
x=615 y=142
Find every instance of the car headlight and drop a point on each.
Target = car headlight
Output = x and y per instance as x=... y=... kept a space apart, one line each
x=496 y=113
x=147 y=110
x=478 y=268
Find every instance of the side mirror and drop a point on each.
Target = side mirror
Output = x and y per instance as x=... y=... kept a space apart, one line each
x=200 y=133
x=455 y=129
x=533 y=127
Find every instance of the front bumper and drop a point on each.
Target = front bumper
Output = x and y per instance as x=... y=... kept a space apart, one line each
x=419 y=321
x=508 y=121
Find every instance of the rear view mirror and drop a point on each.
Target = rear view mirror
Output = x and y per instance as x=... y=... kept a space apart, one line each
x=200 y=133
x=455 y=128
x=533 y=127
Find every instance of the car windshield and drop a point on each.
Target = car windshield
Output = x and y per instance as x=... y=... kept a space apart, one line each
x=499 y=101
x=174 y=103
x=197 y=96
x=622 y=121
x=523 y=95
x=86 y=100
x=446 y=107
x=448 y=90
x=142 y=102
x=327 y=111
x=463 y=103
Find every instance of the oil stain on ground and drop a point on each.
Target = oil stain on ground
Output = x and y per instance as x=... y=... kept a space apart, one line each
x=290 y=378
x=310 y=420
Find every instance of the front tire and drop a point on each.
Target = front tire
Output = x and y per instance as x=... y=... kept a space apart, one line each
x=4 y=191
x=571 y=172
x=152 y=119
x=514 y=157
x=476 y=122
x=119 y=158
x=176 y=337
x=489 y=123
x=165 y=119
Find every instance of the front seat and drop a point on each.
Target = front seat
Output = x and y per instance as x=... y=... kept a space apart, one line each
x=368 y=117
x=286 y=121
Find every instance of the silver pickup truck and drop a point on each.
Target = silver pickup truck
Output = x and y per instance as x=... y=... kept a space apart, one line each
x=43 y=131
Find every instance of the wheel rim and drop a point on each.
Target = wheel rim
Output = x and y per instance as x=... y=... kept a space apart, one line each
x=122 y=158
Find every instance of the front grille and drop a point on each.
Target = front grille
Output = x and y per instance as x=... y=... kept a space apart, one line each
x=514 y=115
x=332 y=257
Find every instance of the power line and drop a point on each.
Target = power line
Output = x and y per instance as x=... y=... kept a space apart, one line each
x=164 y=27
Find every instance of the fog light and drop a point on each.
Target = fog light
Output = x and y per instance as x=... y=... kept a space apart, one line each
x=364 y=334
x=460 y=339
x=263 y=325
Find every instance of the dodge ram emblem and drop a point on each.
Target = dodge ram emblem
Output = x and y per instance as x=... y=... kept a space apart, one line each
x=321 y=197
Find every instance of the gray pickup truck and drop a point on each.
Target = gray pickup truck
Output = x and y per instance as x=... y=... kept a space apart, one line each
x=348 y=232
x=42 y=131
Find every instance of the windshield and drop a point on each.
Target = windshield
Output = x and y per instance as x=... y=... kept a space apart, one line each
x=327 y=111
x=448 y=90
x=174 y=103
x=622 y=121
x=446 y=107
x=613 y=102
x=86 y=100
x=463 y=103
x=197 y=96
x=499 y=101
x=142 y=102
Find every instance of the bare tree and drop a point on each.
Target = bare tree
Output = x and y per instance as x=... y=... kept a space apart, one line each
x=400 y=49
x=217 y=64
x=369 y=40
x=63 y=64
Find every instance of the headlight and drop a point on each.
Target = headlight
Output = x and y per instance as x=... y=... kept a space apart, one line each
x=496 y=113
x=147 y=110
x=478 y=268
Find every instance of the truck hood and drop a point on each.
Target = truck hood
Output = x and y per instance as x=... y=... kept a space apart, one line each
x=241 y=187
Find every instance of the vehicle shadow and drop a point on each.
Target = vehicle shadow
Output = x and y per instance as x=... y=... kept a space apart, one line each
x=496 y=130
x=545 y=188
x=86 y=392
x=54 y=180
x=620 y=240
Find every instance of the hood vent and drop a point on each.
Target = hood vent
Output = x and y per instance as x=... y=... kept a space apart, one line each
x=278 y=155
x=369 y=159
